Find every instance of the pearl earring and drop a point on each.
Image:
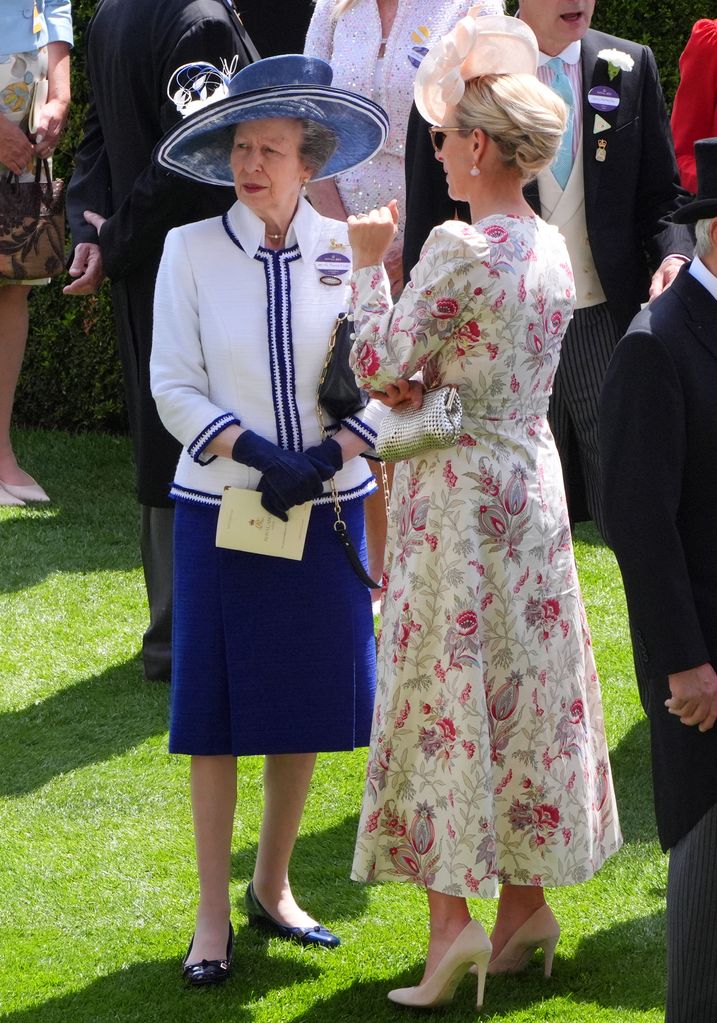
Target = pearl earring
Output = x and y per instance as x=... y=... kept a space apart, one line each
x=475 y=171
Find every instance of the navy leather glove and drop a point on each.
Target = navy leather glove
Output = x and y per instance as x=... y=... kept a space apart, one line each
x=327 y=458
x=288 y=477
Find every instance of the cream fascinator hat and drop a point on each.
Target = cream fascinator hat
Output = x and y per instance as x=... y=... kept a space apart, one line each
x=478 y=45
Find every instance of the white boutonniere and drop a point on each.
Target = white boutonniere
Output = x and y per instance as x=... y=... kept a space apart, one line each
x=617 y=61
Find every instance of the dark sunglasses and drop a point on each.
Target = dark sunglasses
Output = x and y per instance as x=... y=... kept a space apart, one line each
x=438 y=136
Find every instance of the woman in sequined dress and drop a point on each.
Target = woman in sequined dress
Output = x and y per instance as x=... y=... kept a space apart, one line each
x=375 y=48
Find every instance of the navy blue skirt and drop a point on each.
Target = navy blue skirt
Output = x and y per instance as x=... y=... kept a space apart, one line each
x=269 y=655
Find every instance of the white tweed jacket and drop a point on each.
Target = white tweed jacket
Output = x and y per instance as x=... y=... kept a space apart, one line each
x=240 y=336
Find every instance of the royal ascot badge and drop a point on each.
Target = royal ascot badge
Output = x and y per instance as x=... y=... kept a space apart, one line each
x=617 y=61
x=331 y=267
x=600 y=125
x=419 y=49
x=603 y=98
x=601 y=151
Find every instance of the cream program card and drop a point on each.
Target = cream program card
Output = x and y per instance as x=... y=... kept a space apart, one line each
x=245 y=526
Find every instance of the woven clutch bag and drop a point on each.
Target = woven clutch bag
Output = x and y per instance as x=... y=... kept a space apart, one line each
x=406 y=433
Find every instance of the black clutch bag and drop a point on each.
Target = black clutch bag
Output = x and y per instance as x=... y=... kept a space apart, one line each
x=339 y=394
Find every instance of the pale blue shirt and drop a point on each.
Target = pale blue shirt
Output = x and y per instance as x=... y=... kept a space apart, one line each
x=17 y=21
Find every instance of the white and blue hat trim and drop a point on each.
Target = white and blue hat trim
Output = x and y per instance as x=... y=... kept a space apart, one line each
x=291 y=86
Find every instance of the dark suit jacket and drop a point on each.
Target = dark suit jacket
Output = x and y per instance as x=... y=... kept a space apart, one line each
x=133 y=46
x=626 y=197
x=276 y=27
x=658 y=433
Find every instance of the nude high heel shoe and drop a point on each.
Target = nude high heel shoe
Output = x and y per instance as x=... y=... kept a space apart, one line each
x=541 y=930
x=472 y=946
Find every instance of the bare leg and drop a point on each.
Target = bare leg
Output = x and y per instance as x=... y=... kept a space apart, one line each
x=214 y=793
x=14 y=322
x=516 y=904
x=286 y=784
x=448 y=917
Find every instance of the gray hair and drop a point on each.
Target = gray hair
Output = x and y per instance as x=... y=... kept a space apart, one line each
x=703 y=245
x=317 y=145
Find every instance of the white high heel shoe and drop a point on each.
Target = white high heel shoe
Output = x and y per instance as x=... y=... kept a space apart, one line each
x=472 y=946
x=25 y=492
x=541 y=930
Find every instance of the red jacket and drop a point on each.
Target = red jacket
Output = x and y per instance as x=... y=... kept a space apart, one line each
x=694 y=114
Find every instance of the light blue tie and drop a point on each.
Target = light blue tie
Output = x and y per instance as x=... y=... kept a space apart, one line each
x=563 y=162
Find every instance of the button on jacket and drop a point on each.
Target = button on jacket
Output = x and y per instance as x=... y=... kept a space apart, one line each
x=17 y=21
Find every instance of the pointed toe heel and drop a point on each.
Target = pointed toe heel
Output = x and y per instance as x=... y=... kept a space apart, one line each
x=541 y=930
x=471 y=949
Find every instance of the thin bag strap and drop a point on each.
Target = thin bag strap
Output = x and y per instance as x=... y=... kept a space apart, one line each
x=340 y=527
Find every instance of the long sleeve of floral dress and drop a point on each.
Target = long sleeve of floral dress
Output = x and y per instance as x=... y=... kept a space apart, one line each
x=488 y=760
x=437 y=308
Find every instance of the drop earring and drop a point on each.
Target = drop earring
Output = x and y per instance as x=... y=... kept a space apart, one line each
x=475 y=171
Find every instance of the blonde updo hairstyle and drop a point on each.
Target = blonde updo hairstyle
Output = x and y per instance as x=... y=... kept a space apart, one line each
x=525 y=119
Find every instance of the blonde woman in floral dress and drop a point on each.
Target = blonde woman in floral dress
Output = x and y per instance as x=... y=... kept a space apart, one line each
x=488 y=764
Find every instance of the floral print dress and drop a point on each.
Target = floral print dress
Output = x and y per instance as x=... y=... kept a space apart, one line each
x=488 y=760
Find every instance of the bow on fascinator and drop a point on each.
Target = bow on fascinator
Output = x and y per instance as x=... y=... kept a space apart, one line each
x=195 y=86
x=479 y=44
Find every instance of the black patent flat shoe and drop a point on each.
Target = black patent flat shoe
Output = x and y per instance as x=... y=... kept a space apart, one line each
x=258 y=917
x=208 y=971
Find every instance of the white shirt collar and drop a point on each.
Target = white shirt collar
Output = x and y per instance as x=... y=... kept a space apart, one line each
x=706 y=278
x=571 y=54
x=304 y=229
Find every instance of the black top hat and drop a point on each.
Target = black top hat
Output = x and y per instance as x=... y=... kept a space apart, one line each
x=704 y=207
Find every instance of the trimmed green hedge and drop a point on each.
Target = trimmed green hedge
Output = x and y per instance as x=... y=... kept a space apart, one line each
x=71 y=378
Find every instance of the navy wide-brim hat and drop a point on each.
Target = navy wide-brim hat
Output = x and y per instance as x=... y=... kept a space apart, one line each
x=704 y=206
x=290 y=86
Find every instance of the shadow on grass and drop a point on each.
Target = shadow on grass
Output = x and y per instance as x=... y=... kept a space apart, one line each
x=82 y=724
x=320 y=868
x=92 y=522
x=620 y=967
x=632 y=777
x=587 y=533
x=39 y=542
x=153 y=991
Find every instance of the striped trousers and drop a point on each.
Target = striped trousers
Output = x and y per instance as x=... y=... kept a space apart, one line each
x=574 y=412
x=692 y=925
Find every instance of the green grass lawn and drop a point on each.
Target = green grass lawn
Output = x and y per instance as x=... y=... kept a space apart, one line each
x=97 y=884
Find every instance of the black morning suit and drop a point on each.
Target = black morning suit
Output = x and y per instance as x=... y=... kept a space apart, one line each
x=627 y=198
x=658 y=438
x=133 y=46
x=276 y=26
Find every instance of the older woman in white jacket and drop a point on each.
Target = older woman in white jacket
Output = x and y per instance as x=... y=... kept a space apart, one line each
x=271 y=656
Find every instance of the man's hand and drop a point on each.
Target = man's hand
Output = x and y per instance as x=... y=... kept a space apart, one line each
x=665 y=275
x=87 y=268
x=694 y=696
x=15 y=148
